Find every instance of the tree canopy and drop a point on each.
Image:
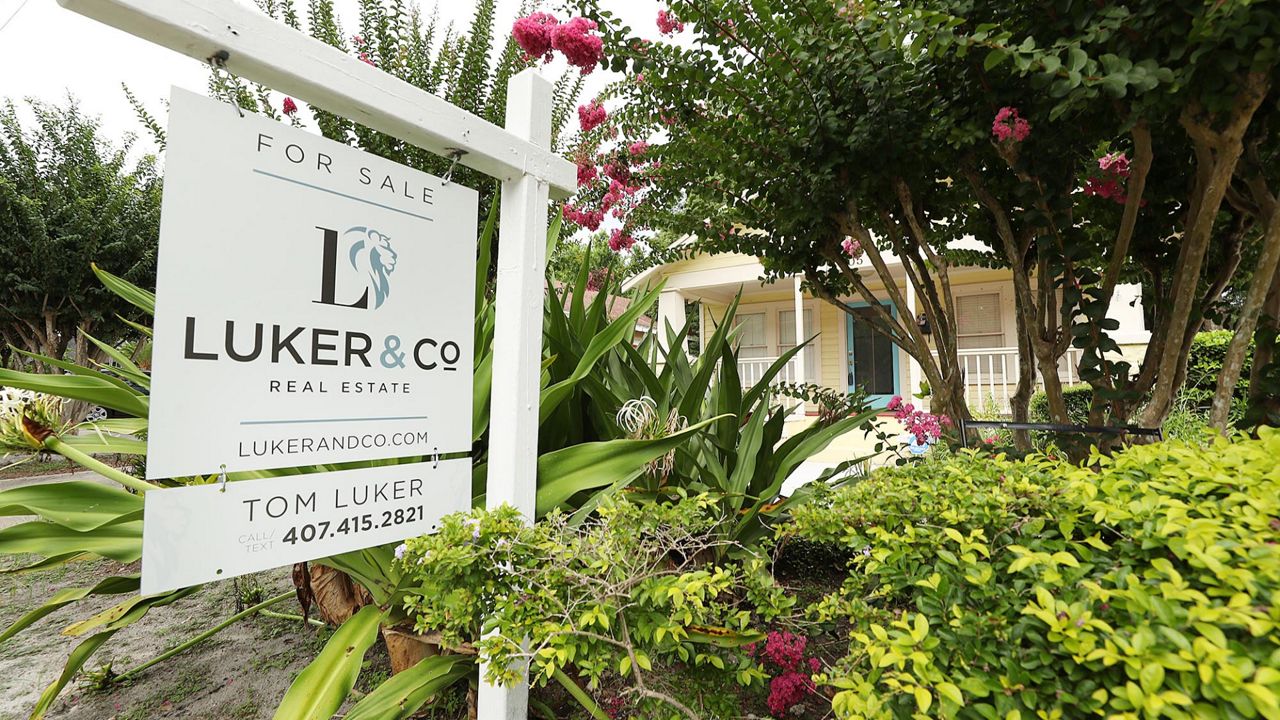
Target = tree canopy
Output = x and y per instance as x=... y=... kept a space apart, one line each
x=70 y=197
x=1084 y=144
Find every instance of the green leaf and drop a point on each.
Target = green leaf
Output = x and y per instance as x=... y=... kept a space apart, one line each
x=618 y=331
x=134 y=295
x=1076 y=58
x=79 y=387
x=106 y=444
x=407 y=691
x=566 y=472
x=321 y=687
x=994 y=58
x=950 y=692
x=120 y=541
x=114 y=585
x=75 y=661
x=75 y=504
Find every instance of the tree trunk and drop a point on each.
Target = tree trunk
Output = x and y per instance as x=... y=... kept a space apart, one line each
x=1268 y=261
x=1020 y=401
x=1221 y=150
x=1264 y=354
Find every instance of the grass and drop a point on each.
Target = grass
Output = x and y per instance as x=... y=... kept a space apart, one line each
x=35 y=466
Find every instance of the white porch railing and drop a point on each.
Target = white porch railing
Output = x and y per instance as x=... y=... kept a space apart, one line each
x=751 y=370
x=991 y=376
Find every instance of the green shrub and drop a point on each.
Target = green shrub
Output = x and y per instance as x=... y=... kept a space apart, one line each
x=623 y=596
x=1204 y=365
x=1076 y=397
x=1143 y=585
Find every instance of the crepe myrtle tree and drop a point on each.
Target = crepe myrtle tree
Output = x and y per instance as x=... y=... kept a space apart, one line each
x=70 y=197
x=1176 y=100
x=774 y=137
x=809 y=134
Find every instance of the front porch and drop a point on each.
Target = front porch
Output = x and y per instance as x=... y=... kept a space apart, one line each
x=845 y=353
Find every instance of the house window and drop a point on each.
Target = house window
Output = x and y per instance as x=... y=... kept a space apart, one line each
x=752 y=341
x=787 y=340
x=978 y=321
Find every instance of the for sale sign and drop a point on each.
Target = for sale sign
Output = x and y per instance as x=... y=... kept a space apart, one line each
x=314 y=303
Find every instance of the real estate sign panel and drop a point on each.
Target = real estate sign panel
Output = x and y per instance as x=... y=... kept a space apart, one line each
x=314 y=302
x=314 y=305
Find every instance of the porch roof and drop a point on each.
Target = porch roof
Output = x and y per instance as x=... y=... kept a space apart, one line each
x=721 y=276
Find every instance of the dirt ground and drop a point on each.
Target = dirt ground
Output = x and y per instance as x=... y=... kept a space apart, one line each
x=239 y=674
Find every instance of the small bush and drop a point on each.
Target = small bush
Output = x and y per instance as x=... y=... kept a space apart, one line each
x=1204 y=365
x=1076 y=397
x=1143 y=585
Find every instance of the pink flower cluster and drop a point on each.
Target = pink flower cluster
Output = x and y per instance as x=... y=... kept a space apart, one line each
x=620 y=239
x=289 y=107
x=589 y=219
x=1111 y=184
x=591 y=116
x=638 y=148
x=927 y=427
x=785 y=653
x=586 y=172
x=852 y=248
x=533 y=34
x=362 y=49
x=539 y=33
x=668 y=23
x=1010 y=125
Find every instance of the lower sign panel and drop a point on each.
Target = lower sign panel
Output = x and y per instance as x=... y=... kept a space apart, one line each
x=193 y=535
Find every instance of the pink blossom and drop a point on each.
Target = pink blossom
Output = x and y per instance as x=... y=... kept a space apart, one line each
x=668 y=23
x=638 y=148
x=620 y=240
x=1109 y=189
x=364 y=58
x=1010 y=125
x=533 y=34
x=589 y=219
x=289 y=107
x=926 y=426
x=785 y=649
x=1114 y=164
x=618 y=171
x=788 y=690
x=591 y=116
x=586 y=173
x=580 y=47
x=852 y=248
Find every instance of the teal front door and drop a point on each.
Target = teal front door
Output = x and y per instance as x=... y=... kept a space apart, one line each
x=873 y=360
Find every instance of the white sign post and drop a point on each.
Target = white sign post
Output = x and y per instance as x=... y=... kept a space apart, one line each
x=264 y=51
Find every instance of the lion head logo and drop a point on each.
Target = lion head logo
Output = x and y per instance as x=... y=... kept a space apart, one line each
x=373 y=257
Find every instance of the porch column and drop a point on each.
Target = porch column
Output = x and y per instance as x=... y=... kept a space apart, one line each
x=913 y=365
x=670 y=312
x=801 y=336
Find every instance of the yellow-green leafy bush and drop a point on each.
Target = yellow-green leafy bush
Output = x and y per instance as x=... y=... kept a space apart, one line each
x=1142 y=585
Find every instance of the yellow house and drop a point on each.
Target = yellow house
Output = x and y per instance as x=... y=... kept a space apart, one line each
x=846 y=353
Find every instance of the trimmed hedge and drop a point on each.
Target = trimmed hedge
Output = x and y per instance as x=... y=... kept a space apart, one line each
x=1204 y=365
x=1076 y=397
x=1145 y=585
